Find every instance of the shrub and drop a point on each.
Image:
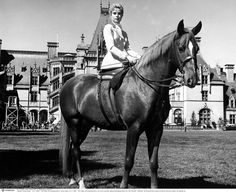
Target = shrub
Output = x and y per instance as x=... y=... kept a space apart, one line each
x=193 y=119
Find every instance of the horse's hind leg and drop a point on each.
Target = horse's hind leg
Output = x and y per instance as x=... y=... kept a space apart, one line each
x=154 y=138
x=79 y=131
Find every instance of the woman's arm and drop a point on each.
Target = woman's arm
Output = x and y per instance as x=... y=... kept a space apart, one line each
x=129 y=50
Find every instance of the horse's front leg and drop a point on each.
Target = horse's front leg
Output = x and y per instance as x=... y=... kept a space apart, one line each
x=131 y=145
x=154 y=138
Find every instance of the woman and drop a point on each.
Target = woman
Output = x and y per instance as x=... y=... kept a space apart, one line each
x=117 y=44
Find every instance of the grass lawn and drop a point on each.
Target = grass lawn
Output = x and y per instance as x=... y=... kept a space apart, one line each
x=194 y=159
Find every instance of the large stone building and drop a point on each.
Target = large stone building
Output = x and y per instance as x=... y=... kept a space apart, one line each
x=212 y=100
x=30 y=86
x=34 y=80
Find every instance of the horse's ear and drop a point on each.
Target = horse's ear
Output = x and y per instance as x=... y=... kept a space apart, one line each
x=196 y=29
x=180 y=28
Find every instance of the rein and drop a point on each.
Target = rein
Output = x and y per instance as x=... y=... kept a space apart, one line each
x=158 y=83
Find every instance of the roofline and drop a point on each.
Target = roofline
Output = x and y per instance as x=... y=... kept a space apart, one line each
x=36 y=52
x=26 y=52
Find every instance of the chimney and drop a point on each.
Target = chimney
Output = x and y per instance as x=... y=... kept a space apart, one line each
x=144 y=49
x=218 y=70
x=52 y=50
x=229 y=68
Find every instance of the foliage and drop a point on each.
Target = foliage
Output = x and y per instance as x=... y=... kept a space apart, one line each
x=222 y=123
x=193 y=119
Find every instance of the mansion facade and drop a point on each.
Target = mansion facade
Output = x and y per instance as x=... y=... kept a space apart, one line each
x=34 y=80
x=211 y=101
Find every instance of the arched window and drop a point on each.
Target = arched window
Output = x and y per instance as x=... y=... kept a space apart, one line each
x=34 y=115
x=12 y=101
x=231 y=102
x=178 y=116
x=43 y=116
x=205 y=116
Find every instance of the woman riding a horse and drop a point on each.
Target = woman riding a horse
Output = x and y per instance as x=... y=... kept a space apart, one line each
x=142 y=100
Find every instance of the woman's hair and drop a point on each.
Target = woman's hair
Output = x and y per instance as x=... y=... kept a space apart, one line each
x=118 y=6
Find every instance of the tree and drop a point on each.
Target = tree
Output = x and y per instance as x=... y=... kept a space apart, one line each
x=222 y=123
x=193 y=119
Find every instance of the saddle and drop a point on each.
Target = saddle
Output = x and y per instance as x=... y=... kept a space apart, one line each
x=115 y=78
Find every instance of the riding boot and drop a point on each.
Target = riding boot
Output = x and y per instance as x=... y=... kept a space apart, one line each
x=120 y=122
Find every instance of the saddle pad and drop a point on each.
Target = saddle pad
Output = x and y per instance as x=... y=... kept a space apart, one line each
x=105 y=77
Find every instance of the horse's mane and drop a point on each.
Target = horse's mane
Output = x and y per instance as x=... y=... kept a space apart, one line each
x=157 y=49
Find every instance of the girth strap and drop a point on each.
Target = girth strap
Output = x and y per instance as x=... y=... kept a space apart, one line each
x=120 y=122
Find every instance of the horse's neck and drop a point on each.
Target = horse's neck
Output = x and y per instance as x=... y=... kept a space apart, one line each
x=156 y=63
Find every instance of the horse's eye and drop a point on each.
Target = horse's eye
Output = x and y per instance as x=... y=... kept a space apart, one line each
x=182 y=48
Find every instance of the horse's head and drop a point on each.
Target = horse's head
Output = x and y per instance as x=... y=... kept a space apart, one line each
x=186 y=50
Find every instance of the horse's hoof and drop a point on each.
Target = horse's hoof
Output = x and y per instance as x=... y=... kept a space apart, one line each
x=72 y=182
x=81 y=184
x=123 y=186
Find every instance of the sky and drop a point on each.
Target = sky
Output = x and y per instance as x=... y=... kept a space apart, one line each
x=30 y=24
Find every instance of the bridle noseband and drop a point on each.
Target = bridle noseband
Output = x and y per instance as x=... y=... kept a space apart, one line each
x=182 y=63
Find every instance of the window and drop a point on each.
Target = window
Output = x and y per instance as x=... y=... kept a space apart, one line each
x=33 y=96
x=9 y=79
x=178 y=96
x=55 y=85
x=172 y=97
x=204 y=79
x=34 y=80
x=44 y=69
x=178 y=116
x=68 y=69
x=232 y=119
x=12 y=100
x=23 y=69
x=55 y=101
x=205 y=116
x=232 y=102
x=204 y=95
x=56 y=71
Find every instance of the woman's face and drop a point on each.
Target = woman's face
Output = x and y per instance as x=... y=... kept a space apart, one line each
x=116 y=15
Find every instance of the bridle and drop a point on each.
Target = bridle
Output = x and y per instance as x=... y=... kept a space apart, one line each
x=186 y=60
x=161 y=83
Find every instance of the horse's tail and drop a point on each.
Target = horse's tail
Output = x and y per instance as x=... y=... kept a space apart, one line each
x=65 y=147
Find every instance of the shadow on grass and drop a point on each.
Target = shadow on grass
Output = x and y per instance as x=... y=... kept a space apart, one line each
x=17 y=164
x=144 y=182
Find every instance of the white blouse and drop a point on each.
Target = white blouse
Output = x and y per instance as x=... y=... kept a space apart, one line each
x=117 y=45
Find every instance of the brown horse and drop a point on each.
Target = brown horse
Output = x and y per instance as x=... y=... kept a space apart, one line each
x=142 y=100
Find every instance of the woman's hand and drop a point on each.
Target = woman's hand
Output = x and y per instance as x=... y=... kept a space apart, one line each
x=132 y=60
